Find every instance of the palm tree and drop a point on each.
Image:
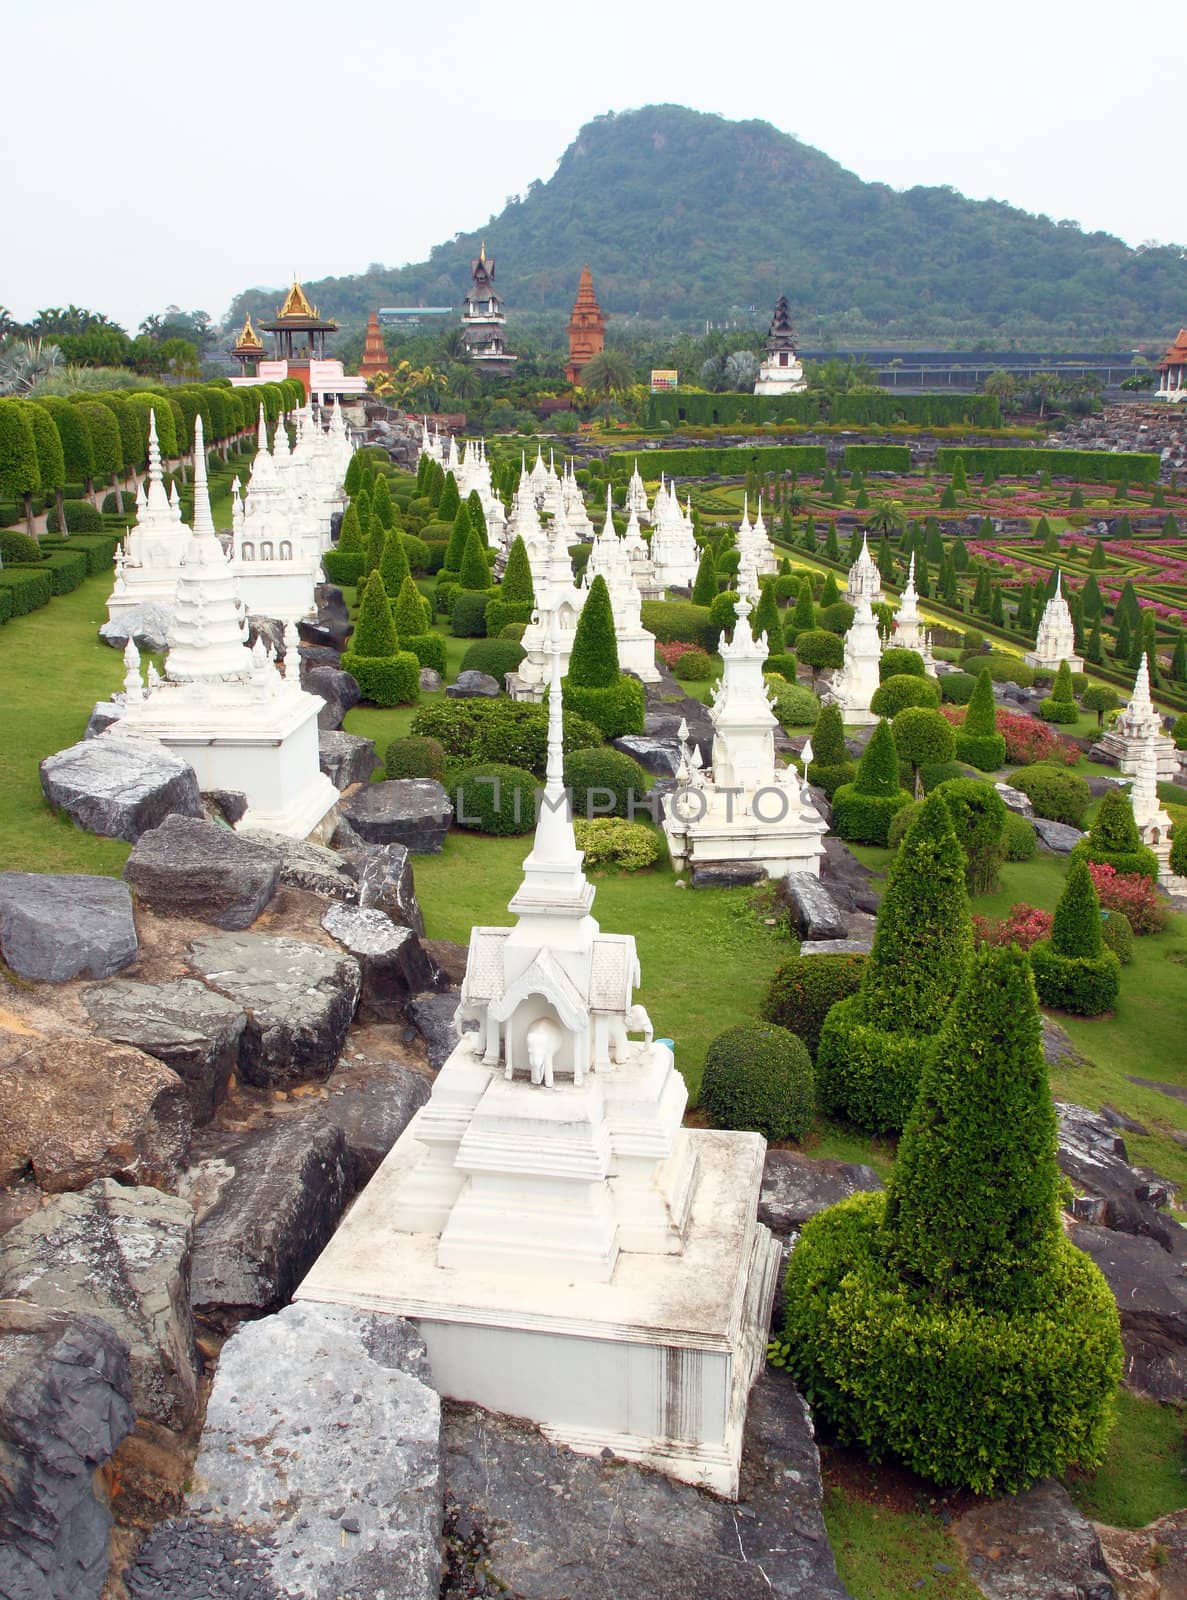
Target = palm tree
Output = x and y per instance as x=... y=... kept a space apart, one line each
x=609 y=371
x=453 y=345
x=26 y=363
x=887 y=516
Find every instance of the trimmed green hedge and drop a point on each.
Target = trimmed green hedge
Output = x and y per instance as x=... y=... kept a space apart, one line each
x=679 y=622
x=729 y=462
x=67 y=569
x=883 y=407
x=1086 y=986
x=1087 y=466
x=878 y=457
x=5 y=605
x=620 y=708
x=865 y=818
x=344 y=567
x=385 y=680
x=98 y=548
x=428 y=648
x=494 y=798
x=30 y=588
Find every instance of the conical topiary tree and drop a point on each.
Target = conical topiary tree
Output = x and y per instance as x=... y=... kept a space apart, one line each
x=936 y=1322
x=477 y=516
x=1179 y=659
x=1073 y=971
x=873 y=1044
x=803 y=616
x=362 y=504
x=979 y=743
x=376 y=541
x=449 y=501
x=475 y=569
x=393 y=565
x=516 y=599
x=1060 y=704
x=386 y=675
x=354 y=475
x=593 y=662
x=409 y=610
x=766 y=620
x=375 y=631
x=1113 y=839
x=831 y=592
x=704 y=590
x=381 y=503
x=350 y=540
x=831 y=763
x=863 y=809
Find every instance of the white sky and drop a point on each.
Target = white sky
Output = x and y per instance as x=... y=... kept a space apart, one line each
x=157 y=153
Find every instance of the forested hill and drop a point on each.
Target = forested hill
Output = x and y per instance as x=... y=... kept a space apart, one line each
x=686 y=215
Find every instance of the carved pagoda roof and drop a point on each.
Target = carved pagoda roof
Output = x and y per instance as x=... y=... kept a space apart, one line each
x=781 y=335
x=248 y=338
x=298 y=311
x=1176 y=356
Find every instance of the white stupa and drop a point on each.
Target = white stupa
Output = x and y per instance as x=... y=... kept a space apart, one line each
x=569 y=1252
x=674 y=553
x=1136 y=723
x=609 y=560
x=636 y=497
x=1056 y=639
x=639 y=554
x=909 y=630
x=148 y=562
x=854 y=685
x=559 y=603
x=1152 y=819
x=275 y=543
x=744 y=808
x=225 y=708
x=865 y=580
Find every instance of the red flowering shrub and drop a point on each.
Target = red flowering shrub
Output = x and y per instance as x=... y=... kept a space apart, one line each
x=955 y=714
x=671 y=653
x=1131 y=893
x=1029 y=740
x=1024 y=925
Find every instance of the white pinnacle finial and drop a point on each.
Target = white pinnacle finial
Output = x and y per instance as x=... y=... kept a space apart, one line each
x=911 y=572
x=154 y=448
x=133 y=687
x=203 y=521
x=262 y=430
x=1141 y=684
x=1058 y=595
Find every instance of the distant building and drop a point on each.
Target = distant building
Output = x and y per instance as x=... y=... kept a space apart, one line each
x=587 y=328
x=1172 y=382
x=375 y=358
x=484 y=320
x=412 y=316
x=248 y=349
x=299 y=351
x=780 y=372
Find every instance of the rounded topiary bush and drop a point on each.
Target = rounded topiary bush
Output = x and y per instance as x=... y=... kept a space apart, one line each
x=609 y=841
x=496 y=657
x=467 y=612
x=934 y=773
x=18 y=549
x=1116 y=932
x=805 y=989
x=414 y=757
x=81 y=517
x=898 y=662
x=1055 y=793
x=493 y=798
x=118 y=501
x=758 y=1078
x=793 y=705
x=512 y=630
x=1019 y=837
x=895 y=694
x=695 y=666
x=605 y=783
x=900 y=824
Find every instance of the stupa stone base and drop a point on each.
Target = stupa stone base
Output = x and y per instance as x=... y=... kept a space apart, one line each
x=1046 y=664
x=656 y=1364
x=777 y=848
x=282 y=589
x=1126 y=752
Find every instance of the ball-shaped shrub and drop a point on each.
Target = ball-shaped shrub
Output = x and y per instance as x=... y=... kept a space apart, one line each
x=605 y=783
x=414 y=757
x=1007 y=669
x=836 y=618
x=610 y=841
x=81 y=517
x=895 y=694
x=805 y=989
x=695 y=666
x=793 y=705
x=784 y=665
x=512 y=630
x=467 y=613
x=899 y=662
x=1019 y=837
x=1055 y=793
x=496 y=657
x=1116 y=932
x=758 y=1078
x=493 y=798
x=18 y=548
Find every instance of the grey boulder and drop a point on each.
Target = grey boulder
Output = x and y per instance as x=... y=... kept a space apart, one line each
x=1057 y=837
x=1015 y=800
x=1150 y=1287
x=385 y=880
x=727 y=874
x=120 y=787
x=814 y=912
x=337 y=688
x=300 y=999
x=324 y=1422
x=473 y=686
x=191 y=868
x=433 y=1017
x=147 y=624
x=394 y=964
x=65 y=1407
x=660 y=757
x=346 y=758
x=838 y=947
x=104 y=714
x=308 y=866
x=414 y=812
x=431 y=680
x=122 y=1255
x=1032 y=1545
x=54 y=927
x=795 y=1187
x=182 y=1023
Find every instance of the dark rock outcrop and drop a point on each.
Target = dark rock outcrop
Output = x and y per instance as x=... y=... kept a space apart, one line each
x=120 y=787
x=57 y=926
x=414 y=812
x=197 y=869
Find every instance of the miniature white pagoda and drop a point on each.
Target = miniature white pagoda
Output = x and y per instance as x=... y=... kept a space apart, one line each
x=865 y=580
x=225 y=708
x=569 y=1252
x=609 y=559
x=744 y=808
x=636 y=497
x=854 y=685
x=754 y=540
x=1056 y=639
x=781 y=371
x=275 y=567
x=674 y=552
x=1137 y=722
x=148 y=562
x=559 y=603
x=909 y=630
x=639 y=554
x=1153 y=821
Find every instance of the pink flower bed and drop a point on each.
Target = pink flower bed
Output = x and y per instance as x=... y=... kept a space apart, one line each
x=1024 y=926
x=1131 y=893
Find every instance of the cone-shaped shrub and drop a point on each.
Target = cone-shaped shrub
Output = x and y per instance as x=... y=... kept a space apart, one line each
x=517 y=575
x=376 y=541
x=354 y=475
x=350 y=539
x=978 y=743
x=872 y=1046
x=831 y=764
x=381 y=504
x=877 y=771
x=375 y=631
x=704 y=590
x=766 y=620
x=477 y=516
x=1114 y=838
x=593 y=663
x=362 y=504
x=386 y=675
x=862 y=810
x=456 y=548
x=979 y=817
x=804 y=615
x=450 y=500
x=1073 y=970
x=393 y=564
x=949 y=1322
x=475 y=569
x=1062 y=687
x=409 y=611
x=831 y=592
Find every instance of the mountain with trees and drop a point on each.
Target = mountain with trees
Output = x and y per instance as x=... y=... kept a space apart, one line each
x=684 y=215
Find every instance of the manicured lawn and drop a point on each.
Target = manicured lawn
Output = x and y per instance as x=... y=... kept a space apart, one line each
x=1144 y=1474
x=884 y=1554
x=54 y=667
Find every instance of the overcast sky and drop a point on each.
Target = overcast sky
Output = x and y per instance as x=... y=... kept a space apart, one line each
x=179 y=153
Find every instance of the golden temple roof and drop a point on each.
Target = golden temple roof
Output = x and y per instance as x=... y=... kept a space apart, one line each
x=248 y=339
x=297 y=304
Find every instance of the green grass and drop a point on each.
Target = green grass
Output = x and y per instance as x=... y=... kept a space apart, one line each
x=54 y=667
x=1144 y=1474
x=706 y=955
x=884 y=1554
